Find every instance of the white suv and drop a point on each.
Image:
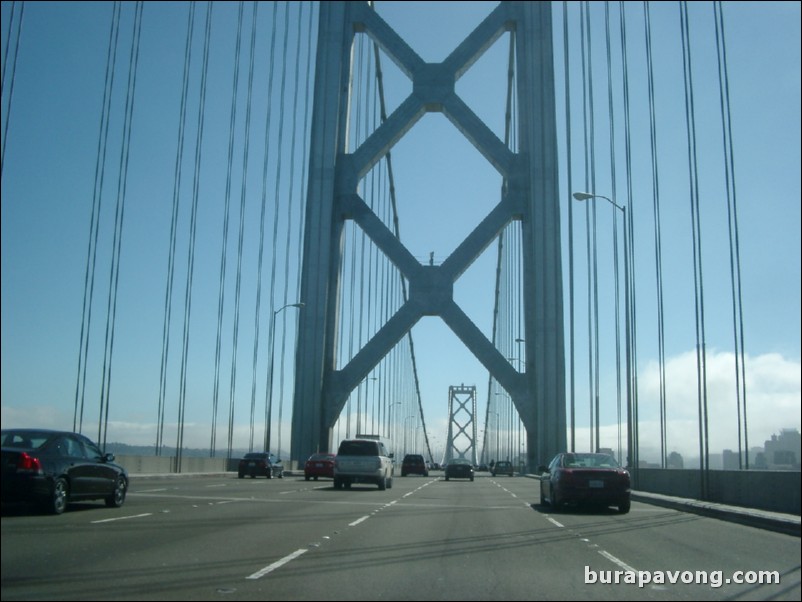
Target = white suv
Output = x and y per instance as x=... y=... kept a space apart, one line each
x=363 y=461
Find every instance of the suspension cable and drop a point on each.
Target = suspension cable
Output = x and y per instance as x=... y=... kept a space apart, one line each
x=243 y=196
x=658 y=251
x=262 y=222
x=13 y=75
x=697 y=249
x=168 y=295
x=276 y=215
x=290 y=207
x=192 y=238
x=734 y=238
x=114 y=273
x=94 y=222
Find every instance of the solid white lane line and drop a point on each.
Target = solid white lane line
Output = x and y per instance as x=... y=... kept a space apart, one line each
x=111 y=520
x=279 y=563
x=357 y=521
x=615 y=560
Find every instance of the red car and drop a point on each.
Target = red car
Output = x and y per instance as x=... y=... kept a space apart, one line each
x=319 y=465
x=573 y=478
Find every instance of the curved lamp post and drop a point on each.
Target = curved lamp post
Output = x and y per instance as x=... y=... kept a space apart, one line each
x=631 y=454
x=269 y=426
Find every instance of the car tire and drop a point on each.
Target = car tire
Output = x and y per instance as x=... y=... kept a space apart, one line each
x=542 y=498
x=382 y=484
x=241 y=476
x=117 y=497
x=623 y=507
x=269 y=474
x=57 y=504
x=306 y=477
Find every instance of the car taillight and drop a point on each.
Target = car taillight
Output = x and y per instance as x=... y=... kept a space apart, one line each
x=566 y=475
x=29 y=463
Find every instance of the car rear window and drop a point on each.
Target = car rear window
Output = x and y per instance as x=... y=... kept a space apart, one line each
x=24 y=440
x=358 y=448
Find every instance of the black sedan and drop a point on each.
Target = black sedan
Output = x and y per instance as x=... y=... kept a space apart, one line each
x=260 y=464
x=459 y=468
x=574 y=478
x=54 y=468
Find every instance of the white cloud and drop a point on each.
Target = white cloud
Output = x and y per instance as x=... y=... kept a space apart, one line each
x=772 y=401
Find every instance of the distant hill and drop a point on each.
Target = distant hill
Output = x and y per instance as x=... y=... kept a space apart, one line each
x=123 y=449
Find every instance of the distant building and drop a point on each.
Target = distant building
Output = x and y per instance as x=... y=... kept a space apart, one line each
x=675 y=460
x=730 y=460
x=784 y=451
x=607 y=450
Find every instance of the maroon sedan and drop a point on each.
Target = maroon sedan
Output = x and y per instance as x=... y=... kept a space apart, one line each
x=573 y=478
x=319 y=465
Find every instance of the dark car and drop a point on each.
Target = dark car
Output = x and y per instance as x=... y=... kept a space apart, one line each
x=414 y=464
x=319 y=465
x=260 y=464
x=502 y=467
x=459 y=468
x=574 y=478
x=55 y=468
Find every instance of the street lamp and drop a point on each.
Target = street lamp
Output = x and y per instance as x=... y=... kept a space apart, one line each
x=268 y=426
x=631 y=454
x=406 y=430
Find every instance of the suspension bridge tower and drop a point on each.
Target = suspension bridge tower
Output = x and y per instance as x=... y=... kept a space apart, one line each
x=461 y=441
x=530 y=195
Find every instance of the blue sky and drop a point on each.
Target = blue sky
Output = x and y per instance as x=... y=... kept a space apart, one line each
x=444 y=189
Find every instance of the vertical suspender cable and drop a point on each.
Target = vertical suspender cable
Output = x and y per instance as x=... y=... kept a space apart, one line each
x=630 y=301
x=658 y=251
x=735 y=251
x=168 y=294
x=114 y=275
x=94 y=222
x=614 y=189
x=289 y=227
x=590 y=212
x=13 y=75
x=697 y=251
x=262 y=222
x=192 y=237
x=569 y=180
x=276 y=215
x=243 y=190
x=224 y=247
x=304 y=157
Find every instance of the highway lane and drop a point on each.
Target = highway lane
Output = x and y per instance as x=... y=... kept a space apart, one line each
x=212 y=538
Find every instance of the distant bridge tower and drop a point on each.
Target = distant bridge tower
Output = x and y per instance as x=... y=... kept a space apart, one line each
x=530 y=195
x=461 y=424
